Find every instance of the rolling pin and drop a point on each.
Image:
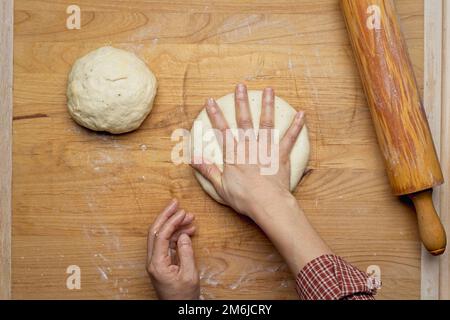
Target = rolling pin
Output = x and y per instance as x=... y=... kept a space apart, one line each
x=397 y=111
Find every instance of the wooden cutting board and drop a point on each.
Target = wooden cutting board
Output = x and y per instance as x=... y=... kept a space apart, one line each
x=85 y=198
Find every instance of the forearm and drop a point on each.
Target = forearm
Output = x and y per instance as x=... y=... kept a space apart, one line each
x=286 y=225
x=319 y=273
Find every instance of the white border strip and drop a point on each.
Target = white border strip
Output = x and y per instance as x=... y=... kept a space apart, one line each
x=435 y=271
x=6 y=82
x=444 y=288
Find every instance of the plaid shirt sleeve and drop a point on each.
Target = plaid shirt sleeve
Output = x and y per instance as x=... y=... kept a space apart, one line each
x=331 y=278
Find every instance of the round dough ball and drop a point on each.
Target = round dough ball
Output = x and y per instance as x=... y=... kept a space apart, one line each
x=110 y=90
x=284 y=115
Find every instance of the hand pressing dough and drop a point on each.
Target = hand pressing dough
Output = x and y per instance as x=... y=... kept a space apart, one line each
x=284 y=115
x=110 y=90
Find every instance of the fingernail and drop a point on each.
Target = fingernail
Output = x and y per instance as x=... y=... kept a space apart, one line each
x=172 y=203
x=268 y=91
x=180 y=214
x=268 y=95
x=190 y=216
x=300 y=115
x=241 y=87
x=184 y=239
x=211 y=105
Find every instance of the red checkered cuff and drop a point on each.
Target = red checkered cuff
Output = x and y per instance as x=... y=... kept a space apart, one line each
x=331 y=278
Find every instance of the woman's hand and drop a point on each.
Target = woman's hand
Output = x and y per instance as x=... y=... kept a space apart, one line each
x=264 y=198
x=241 y=185
x=170 y=259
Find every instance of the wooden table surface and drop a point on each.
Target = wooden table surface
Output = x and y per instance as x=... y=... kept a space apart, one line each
x=85 y=198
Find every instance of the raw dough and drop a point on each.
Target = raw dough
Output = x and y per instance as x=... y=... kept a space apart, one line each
x=284 y=115
x=110 y=90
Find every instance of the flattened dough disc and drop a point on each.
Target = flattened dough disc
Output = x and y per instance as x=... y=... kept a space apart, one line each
x=284 y=115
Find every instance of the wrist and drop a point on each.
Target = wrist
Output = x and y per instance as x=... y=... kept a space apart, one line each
x=273 y=205
x=286 y=225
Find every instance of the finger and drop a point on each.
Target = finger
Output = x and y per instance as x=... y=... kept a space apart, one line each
x=186 y=229
x=162 y=240
x=171 y=208
x=219 y=122
x=210 y=172
x=159 y=221
x=267 y=119
x=189 y=230
x=188 y=219
x=186 y=255
x=244 y=119
x=290 y=138
x=217 y=119
x=173 y=254
x=268 y=109
x=243 y=114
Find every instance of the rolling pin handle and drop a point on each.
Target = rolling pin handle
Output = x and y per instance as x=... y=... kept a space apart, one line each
x=431 y=230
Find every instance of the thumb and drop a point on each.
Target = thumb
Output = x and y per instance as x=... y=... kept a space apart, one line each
x=186 y=254
x=209 y=171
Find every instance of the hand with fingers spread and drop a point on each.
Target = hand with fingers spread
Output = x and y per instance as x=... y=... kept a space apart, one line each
x=241 y=185
x=170 y=258
x=264 y=198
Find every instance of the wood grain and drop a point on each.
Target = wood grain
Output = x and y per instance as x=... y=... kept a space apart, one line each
x=6 y=78
x=86 y=198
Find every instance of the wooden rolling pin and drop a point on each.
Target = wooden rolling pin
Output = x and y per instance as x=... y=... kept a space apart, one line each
x=398 y=115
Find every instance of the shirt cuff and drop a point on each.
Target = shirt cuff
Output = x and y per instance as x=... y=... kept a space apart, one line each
x=329 y=277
